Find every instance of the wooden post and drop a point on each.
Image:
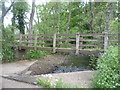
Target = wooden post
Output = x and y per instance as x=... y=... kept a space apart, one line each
x=77 y=43
x=27 y=37
x=43 y=40
x=54 y=43
x=105 y=41
x=20 y=41
x=35 y=43
x=81 y=42
x=29 y=40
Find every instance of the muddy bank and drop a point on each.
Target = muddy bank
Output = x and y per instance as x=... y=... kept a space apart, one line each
x=58 y=64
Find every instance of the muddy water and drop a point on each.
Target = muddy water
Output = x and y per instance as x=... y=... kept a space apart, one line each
x=74 y=63
x=59 y=63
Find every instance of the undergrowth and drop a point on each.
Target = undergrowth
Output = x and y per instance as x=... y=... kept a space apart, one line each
x=36 y=54
x=8 y=54
x=58 y=84
x=108 y=67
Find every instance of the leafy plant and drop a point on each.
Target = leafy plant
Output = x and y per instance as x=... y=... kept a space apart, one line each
x=58 y=84
x=108 y=67
x=44 y=83
x=92 y=62
x=35 y=54
x=7 y=43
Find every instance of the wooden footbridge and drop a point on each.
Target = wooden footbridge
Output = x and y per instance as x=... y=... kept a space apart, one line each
x=77 y=43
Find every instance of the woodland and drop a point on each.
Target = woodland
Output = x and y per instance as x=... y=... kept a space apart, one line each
x=63 y=18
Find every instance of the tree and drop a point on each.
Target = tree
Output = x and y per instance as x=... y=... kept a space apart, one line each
x=32 y=17
x=4 y=12
x=92 y=15
x=19 y=10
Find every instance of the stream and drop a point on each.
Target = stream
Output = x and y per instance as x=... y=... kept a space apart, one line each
x=75 y=63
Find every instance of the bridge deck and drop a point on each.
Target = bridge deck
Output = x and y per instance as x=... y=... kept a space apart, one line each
x=83 y=51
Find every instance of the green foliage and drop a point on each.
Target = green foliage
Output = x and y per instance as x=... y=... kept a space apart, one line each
x=108 y=67
x=7 y=42
x=92 y=62
x=58 y=84
x=19 y=11
x=36 y=54
x=44 y=83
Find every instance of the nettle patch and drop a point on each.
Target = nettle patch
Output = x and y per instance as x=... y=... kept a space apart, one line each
x=108 y=66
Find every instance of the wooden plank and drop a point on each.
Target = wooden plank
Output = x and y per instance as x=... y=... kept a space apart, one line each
x=77 y=43
x=114 y=40
x=89 y=40
x=66 y=44
x=90 y=45
x=37 y=48
x=54 y=43
x=65 y=39
x=38 y=35
x=46 y=43
x=84 y=51
x=113 y=34
x=45 y=39
x=90 y=34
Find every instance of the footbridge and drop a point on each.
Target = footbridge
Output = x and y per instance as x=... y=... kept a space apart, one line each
x=76 y=43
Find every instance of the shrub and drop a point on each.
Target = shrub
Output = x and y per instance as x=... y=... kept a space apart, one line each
x=46 y=83
x=108 y=67
x=7 y=42
x=36 y=54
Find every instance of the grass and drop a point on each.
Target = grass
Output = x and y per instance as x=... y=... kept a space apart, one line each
x=58 y=84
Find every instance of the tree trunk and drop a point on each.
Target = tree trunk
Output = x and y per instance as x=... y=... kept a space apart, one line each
x=92 y=15
x=13 y=20
x=2 y=21
x=69 y=16
x=32 y=17
x=38 y=20
x=4 y=14
x=108 y=17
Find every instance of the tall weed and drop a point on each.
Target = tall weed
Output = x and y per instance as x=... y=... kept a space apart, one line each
x=108 y=67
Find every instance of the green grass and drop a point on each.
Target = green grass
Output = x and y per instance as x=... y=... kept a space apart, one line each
x=37 y=54
x=58 y=84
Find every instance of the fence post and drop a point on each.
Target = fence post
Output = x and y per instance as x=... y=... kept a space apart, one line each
x=77 y=43
x=81 y=42
x=20 y=41
x=105 y=41
x=54 y=43
x=29 y=40
x=35 y=43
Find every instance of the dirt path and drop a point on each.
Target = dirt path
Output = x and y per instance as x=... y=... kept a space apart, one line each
x=15 y=68
x=83 y=79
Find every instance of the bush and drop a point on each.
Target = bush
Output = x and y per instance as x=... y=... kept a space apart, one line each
x=7 y=42
x=36 y=54
x=46 y=83
x=108 y=67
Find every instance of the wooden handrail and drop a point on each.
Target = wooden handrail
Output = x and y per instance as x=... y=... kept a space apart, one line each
x=78 y=40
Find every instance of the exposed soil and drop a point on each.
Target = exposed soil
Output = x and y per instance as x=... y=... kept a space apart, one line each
x=58 y=64
x=45 y=65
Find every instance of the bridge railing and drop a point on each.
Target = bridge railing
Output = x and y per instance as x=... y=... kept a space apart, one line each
x=75 y=42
